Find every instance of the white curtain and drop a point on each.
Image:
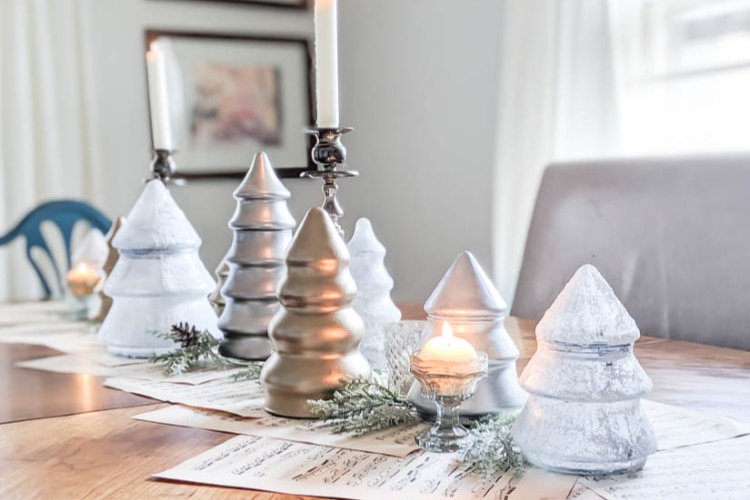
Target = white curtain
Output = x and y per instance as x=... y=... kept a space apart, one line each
x=44 y=120
x=557 y=101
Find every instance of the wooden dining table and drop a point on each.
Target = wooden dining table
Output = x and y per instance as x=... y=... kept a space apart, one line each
x=67 y=436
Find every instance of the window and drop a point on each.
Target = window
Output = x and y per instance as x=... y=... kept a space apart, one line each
x=683 y=75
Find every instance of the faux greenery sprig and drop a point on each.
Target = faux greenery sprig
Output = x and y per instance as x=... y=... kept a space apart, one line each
x=490 y=448
x=194 y=346
x=251 y=372
x=363 y=405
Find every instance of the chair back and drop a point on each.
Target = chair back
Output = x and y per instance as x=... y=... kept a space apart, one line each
x=669 y=235
x=64 y=214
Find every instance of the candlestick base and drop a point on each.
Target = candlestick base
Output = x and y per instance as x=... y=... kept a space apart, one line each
x=329 y=154
x=163 y=165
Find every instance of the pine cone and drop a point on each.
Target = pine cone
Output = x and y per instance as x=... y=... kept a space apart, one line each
x=185 y=334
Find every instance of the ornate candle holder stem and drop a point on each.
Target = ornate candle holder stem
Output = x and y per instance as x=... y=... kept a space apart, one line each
x=162 y=165
x=447 y=384
x=329 y=154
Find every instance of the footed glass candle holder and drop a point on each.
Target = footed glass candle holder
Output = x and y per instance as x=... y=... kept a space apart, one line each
x=83 y=282
x=447 y=383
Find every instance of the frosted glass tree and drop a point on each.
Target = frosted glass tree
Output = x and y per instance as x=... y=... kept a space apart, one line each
x=584 y=412
x=159 y=279
x=316 y=332
x=262 y=226
x=374 y=284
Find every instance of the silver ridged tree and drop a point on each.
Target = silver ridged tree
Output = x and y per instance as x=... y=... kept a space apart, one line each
x=262 y=226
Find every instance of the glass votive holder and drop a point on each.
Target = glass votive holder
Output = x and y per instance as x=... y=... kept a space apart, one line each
x=400 y=339
x=447 y=384
x=83 y=298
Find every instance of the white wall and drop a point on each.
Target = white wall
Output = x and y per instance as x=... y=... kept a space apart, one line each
x=418 y=82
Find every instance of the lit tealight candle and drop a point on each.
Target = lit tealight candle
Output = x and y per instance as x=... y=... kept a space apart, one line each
x=82 y=279
x=448 y=348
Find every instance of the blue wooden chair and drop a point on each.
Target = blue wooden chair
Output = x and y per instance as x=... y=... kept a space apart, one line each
x=64 y=214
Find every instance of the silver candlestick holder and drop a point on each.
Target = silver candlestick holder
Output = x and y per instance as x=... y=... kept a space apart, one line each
x=329 y=154
x=163 y=165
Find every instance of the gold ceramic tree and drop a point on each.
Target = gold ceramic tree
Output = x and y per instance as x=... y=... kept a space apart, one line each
x=316 y=332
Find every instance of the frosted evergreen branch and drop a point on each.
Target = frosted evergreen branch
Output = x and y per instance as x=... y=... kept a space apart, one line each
x=490 y=448
x=363 y=405
x=194 y=347
x=251 y=372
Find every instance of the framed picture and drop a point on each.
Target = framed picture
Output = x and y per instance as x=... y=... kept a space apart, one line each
x=231 y=96
x=289 y=4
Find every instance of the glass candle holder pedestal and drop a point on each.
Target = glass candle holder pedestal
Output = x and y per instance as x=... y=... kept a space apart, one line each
x=447 y=384
x=83 y=299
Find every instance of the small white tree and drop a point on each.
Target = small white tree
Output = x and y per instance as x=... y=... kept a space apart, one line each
x=374 y=285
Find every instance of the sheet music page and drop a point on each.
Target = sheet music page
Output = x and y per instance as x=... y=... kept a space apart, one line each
x=398 y=441
x=33 y=312
x=677 y=427
x=306 y=469
x=244 y=397
x=33 y=308
x=581 y=492
x=713 y=470
x=35 y=333
x=79 y=363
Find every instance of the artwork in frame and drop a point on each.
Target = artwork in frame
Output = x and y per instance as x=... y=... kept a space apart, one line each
x=289 y=4
x=231 y=96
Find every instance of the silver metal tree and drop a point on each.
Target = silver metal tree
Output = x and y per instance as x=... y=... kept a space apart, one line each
x=262 y=226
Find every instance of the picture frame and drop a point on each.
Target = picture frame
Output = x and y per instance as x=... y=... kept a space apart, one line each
x=232 y=95
x=285 y=4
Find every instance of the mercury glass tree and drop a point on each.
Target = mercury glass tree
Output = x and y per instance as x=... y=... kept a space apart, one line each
x=584 y=412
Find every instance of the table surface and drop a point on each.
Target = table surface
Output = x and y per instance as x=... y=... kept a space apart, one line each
x=106 y=454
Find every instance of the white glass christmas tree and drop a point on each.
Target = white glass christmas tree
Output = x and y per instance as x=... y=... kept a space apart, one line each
x=584 y=412
x=466 y=299
x=159 y=279
x=374 y=285
x=262 y=226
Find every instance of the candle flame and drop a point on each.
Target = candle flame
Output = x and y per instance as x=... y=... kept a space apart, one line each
x=82 y=266
x=447 y=331
x=154 y=47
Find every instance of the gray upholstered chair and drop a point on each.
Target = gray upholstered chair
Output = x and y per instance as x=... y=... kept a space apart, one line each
x=672 y=237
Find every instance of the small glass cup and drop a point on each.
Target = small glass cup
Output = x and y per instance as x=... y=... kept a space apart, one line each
x=83 y=298
x=447 y=384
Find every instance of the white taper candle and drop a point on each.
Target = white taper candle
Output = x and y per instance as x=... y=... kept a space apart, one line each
x=158 y=98
x=326 y=63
